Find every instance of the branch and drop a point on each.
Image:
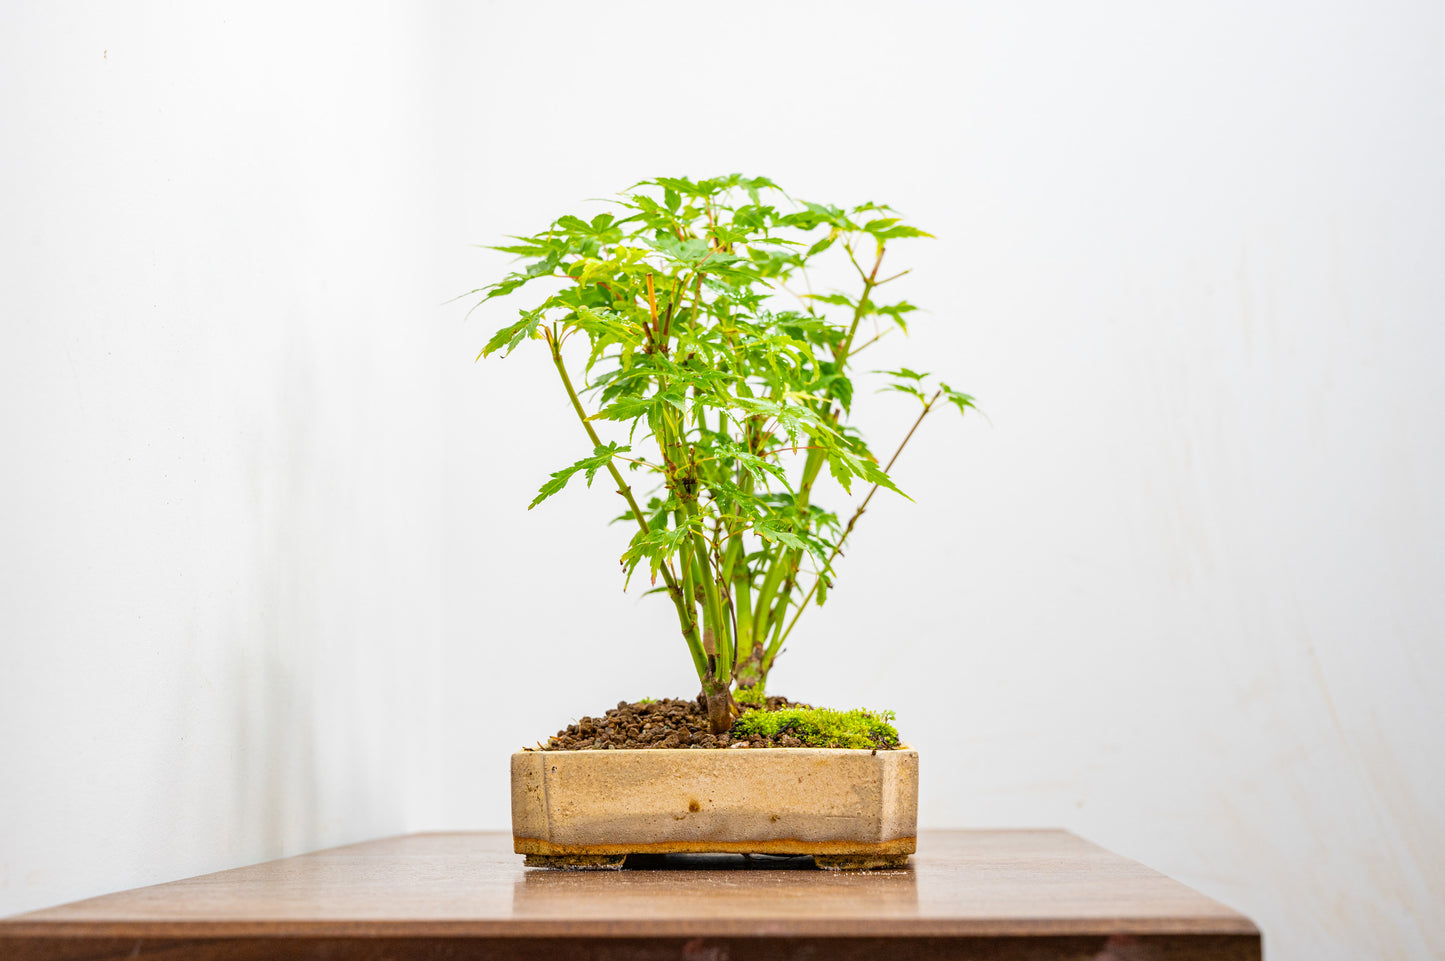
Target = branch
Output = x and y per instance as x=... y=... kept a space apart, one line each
x=673 y=589
x=838 y=547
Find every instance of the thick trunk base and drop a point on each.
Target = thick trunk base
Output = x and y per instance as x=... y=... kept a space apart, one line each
x=719 y=717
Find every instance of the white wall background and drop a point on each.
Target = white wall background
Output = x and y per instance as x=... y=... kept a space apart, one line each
x=222 y=437
x=268 y=578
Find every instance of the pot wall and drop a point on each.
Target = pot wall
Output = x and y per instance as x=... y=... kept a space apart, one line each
x=768 y=800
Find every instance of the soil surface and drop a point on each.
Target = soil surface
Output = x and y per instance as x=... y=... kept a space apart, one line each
x=668 y=723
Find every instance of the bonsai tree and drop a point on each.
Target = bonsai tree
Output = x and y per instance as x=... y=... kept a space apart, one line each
x=687 y=319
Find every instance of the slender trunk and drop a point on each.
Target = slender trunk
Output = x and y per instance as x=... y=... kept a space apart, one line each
x=749 y=670
x=778 y=584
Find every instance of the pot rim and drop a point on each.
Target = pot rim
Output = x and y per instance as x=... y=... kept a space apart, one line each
x=845 y=751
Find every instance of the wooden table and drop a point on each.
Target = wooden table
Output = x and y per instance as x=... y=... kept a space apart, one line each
x=1000 y=895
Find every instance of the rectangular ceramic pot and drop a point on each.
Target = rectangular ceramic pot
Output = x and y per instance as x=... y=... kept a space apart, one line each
x=847 y=808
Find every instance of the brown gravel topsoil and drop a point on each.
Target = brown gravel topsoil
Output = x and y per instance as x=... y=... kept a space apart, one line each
x=670 y=723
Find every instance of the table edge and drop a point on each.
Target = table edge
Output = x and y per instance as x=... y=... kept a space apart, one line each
x=635 y=928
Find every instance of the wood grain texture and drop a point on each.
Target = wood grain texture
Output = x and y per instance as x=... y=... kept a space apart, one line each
x=985 y=894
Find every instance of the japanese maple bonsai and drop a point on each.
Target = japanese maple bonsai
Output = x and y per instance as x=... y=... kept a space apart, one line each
x=714 y=384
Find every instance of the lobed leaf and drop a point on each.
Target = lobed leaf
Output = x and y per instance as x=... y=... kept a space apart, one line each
x=601 y=456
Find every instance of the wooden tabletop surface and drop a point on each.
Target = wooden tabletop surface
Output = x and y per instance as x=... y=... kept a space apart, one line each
x=997 y=894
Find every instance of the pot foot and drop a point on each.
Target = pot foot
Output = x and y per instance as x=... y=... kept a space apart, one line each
x=577 y=862
x=860 y=862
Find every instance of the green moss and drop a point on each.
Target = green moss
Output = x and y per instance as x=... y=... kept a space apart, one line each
x=751 y=696
x=822 y=727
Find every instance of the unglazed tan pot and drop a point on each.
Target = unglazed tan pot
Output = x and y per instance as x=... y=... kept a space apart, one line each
x=847 y=808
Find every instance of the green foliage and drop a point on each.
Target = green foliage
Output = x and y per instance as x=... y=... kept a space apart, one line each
x=689 y=313
x=822 y=727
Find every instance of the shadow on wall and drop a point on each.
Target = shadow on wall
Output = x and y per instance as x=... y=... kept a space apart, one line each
x=275 y=643
x=275 y=800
